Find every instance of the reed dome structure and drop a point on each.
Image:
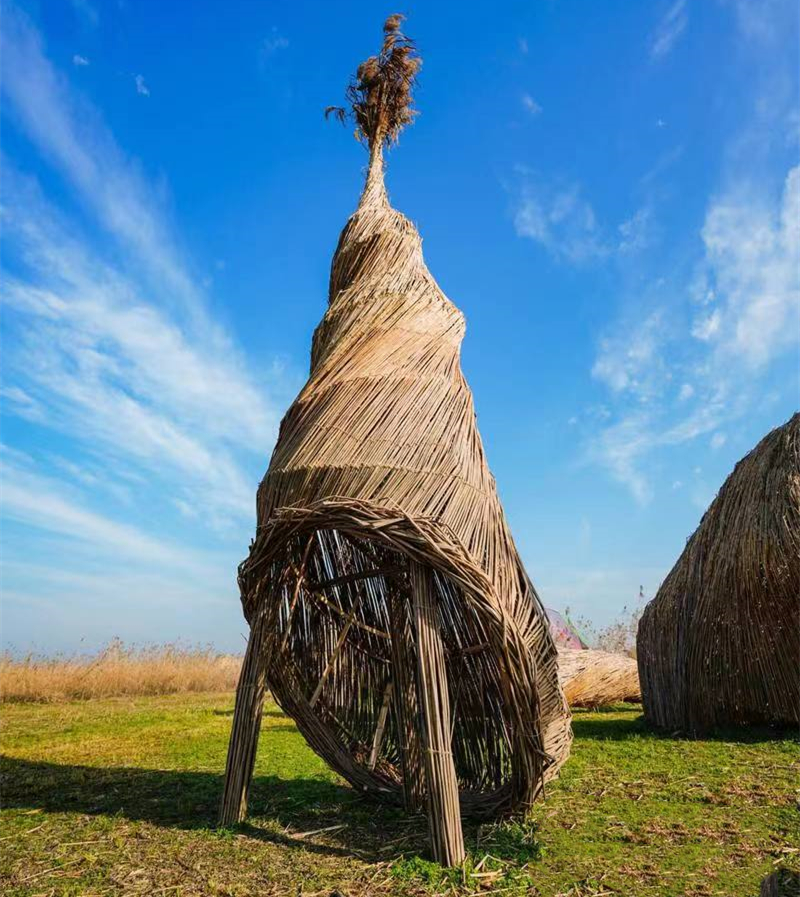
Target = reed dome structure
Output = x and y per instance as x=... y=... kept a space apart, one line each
x=720 y=642
x=390 y=614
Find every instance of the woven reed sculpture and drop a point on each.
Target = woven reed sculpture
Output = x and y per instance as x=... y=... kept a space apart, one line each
x=720 y=642
x=390 y=614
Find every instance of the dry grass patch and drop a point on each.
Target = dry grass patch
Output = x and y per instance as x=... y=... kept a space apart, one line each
x=117 y=670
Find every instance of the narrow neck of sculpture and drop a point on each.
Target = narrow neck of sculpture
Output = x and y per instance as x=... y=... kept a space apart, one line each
x=374 y=188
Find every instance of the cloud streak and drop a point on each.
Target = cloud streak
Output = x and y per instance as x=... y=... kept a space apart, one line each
x=70 y=133
x=743 y=316
x=669 y=30
x=109 y=340
x=561 y=220
x=41 y=502
x=530 y=105
x=752 y=262
x=141 y=87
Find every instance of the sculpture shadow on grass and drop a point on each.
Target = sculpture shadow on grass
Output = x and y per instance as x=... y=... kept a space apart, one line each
x=190 y=800
x=622 y=723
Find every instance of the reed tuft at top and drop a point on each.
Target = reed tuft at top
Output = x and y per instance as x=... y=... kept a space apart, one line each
x=380 y=95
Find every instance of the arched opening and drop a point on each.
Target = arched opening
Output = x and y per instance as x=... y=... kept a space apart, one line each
x=386 y=642
x=347 y=652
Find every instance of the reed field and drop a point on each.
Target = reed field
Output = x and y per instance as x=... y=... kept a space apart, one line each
x=117 y=670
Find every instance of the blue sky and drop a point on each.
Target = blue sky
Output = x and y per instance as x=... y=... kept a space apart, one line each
x=609 y=191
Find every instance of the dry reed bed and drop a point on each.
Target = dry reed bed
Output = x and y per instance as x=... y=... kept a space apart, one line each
x=117 y=670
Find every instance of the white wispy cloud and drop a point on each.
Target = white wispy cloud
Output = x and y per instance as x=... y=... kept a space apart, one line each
x=705 y=326
x=631 y=360
x=149 y=421
x=70 y=133
x=42 y=502
x=624 y=446
x=103 y=365
x=141 y=86
x=620 y=447
x=86 y=11
x=88 y=576
x=561 y=220
x=747 y=290
x=752 y=262
x=763 y=21
x=79 y=60
x=22 y=404
x=669 y=30
x=530 y=105
x=636 y=232
x=117 y=349
x=731 y=319
x=273 y=43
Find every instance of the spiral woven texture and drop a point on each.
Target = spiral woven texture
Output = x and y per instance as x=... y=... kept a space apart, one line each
x=379 y=464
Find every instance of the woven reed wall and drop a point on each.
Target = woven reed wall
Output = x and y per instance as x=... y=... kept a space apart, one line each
x=720 y=642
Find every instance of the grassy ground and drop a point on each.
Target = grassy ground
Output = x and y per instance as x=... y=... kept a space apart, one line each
x=119 y=796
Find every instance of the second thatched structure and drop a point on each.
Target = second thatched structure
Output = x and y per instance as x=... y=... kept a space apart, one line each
x=720 y=642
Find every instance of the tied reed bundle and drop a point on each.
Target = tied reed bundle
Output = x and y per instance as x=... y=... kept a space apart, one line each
x=390 y=613
x=596 y=678
x=720 y=642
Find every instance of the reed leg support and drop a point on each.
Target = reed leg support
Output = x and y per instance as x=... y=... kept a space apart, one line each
x=246 y=728
x=444 y=814
x=404 y=705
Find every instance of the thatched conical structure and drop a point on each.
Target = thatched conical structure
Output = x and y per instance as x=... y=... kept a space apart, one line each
x=720 y=642
x=388 y=605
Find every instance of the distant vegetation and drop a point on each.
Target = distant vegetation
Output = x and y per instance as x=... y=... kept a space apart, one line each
x=618 y=637
x=117 y=670
x=120 y=669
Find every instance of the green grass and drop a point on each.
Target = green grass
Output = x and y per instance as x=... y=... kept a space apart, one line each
x=119 y=796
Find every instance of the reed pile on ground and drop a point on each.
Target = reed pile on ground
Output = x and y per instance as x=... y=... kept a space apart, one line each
x=720 y=642
x=117 y=670
x=595 y=678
